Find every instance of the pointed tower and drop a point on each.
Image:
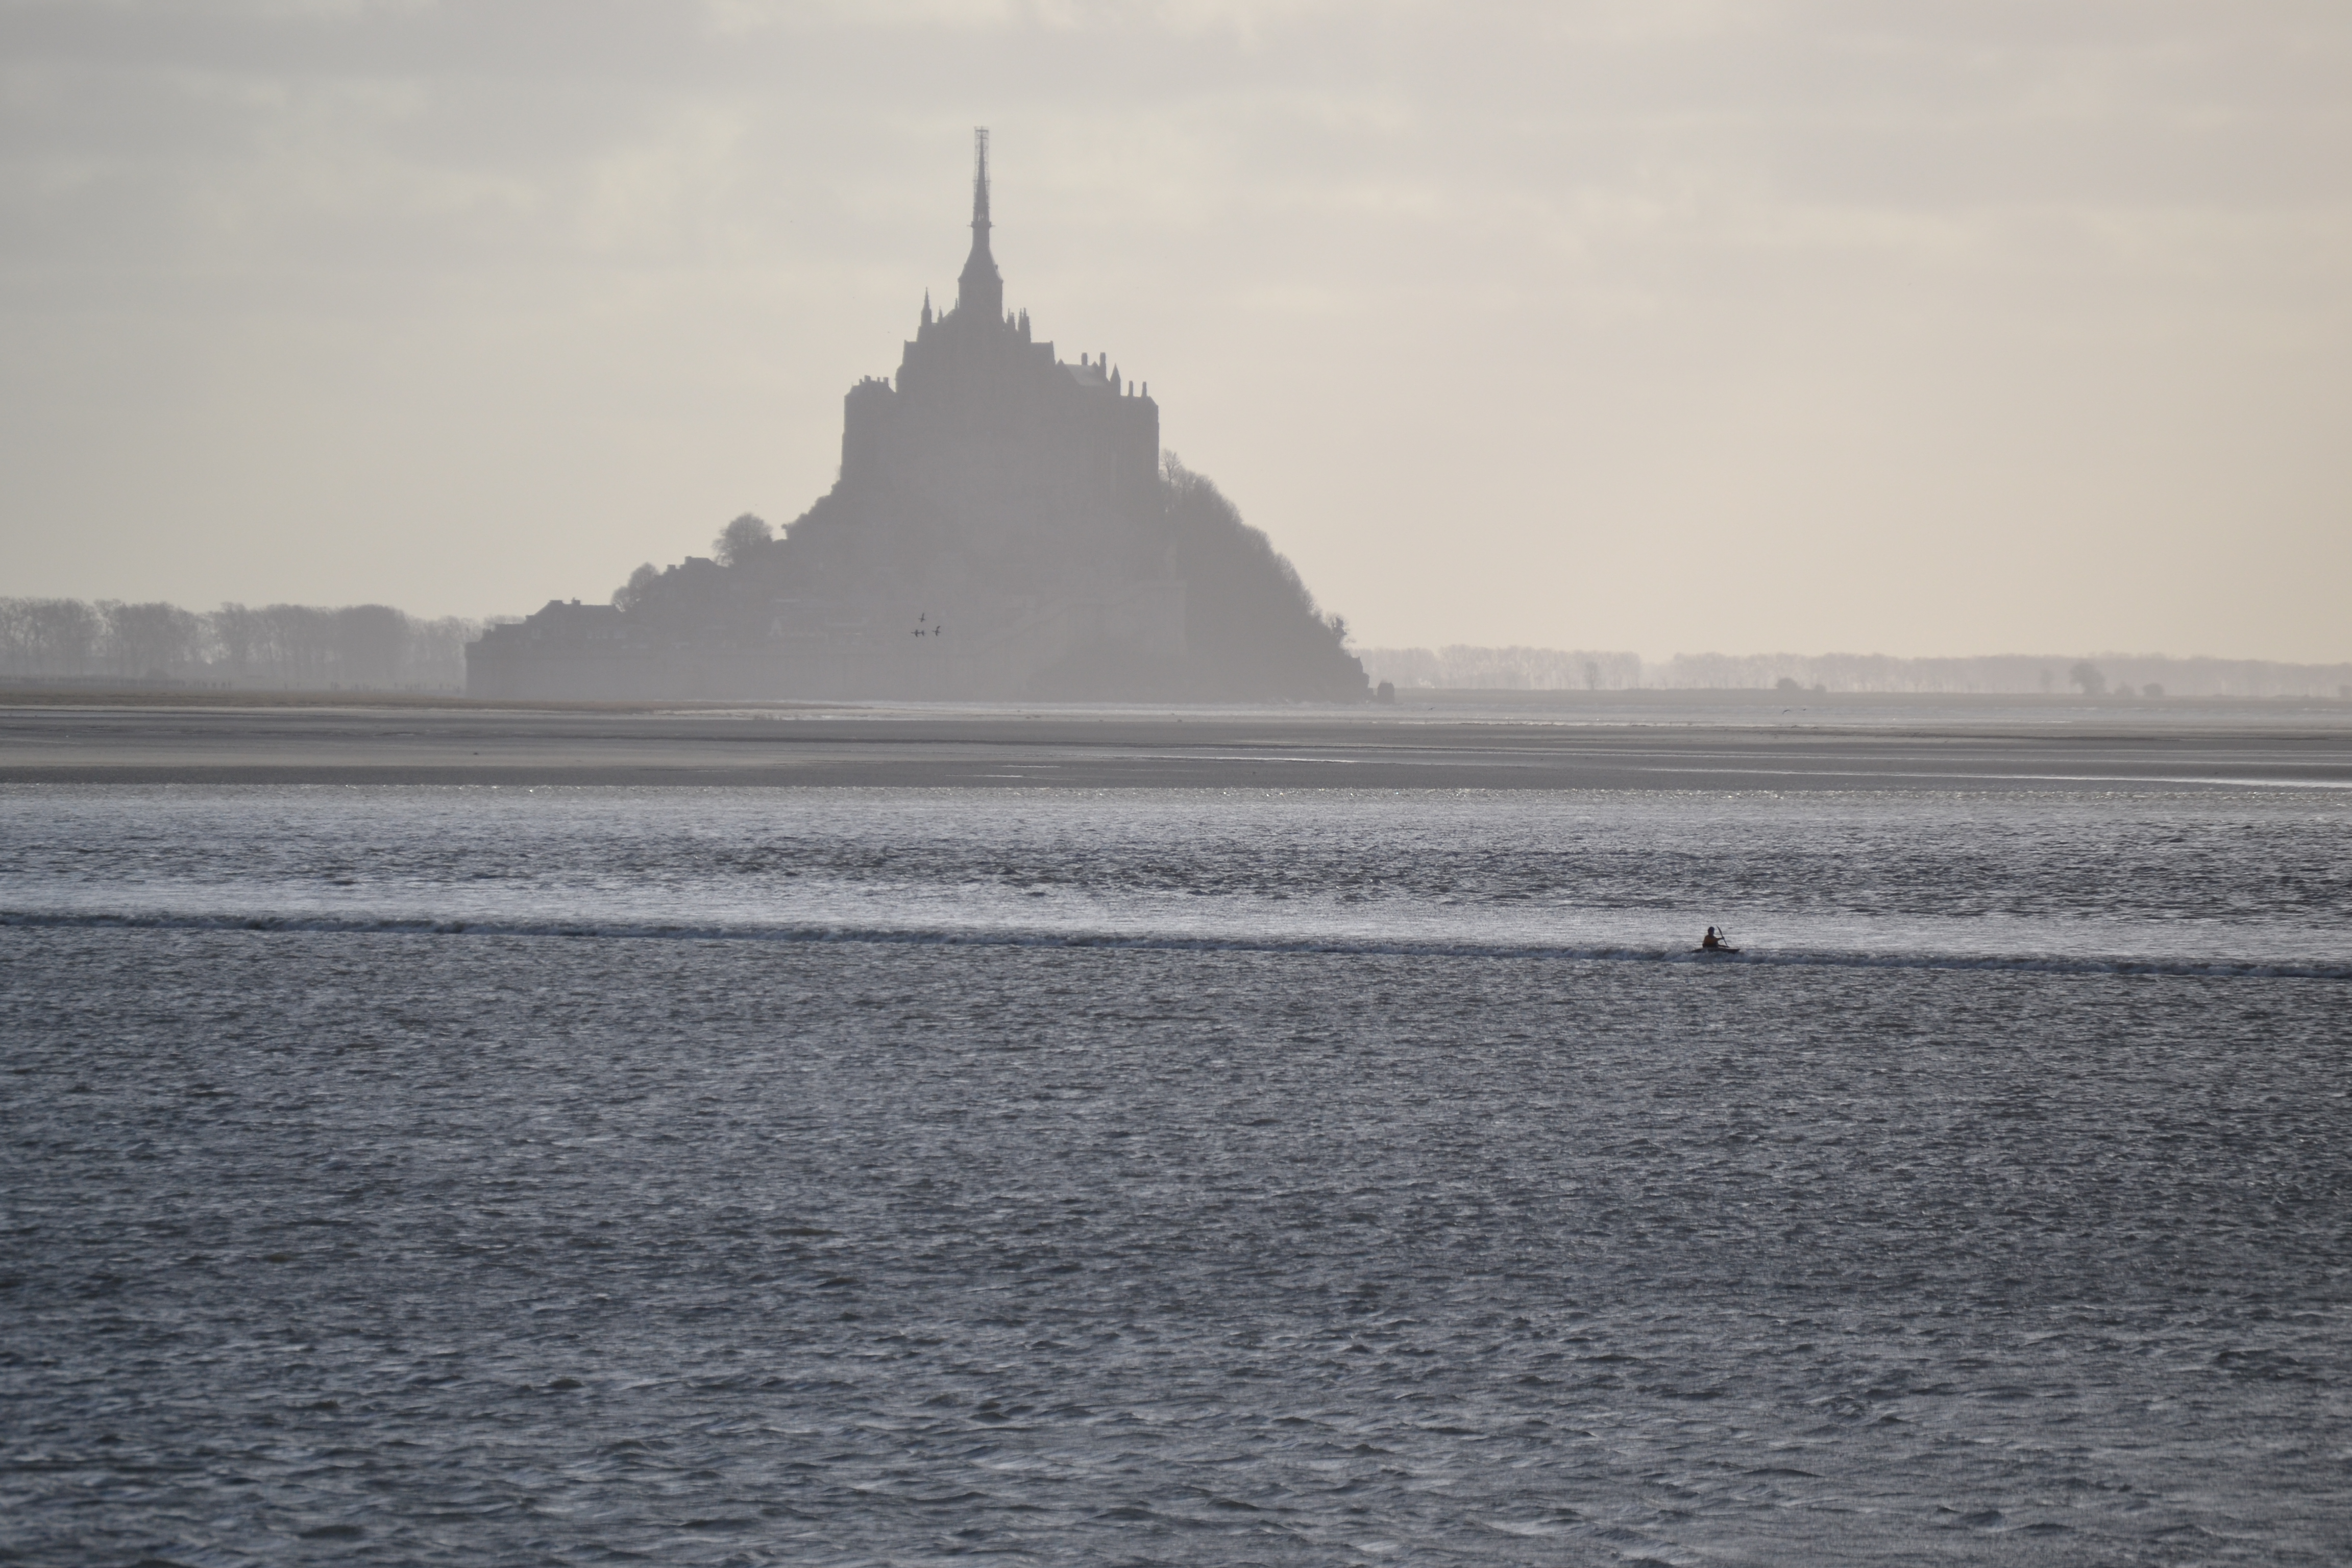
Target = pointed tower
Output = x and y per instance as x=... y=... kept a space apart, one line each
x=980 y=290
x=995 y=486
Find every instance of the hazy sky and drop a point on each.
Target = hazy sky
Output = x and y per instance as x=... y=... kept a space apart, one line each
x=1908 y=326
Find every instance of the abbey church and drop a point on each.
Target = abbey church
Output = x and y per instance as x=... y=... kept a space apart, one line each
x=1003 y=527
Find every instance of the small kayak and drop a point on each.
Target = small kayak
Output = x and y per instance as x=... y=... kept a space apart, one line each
x=1715 y=950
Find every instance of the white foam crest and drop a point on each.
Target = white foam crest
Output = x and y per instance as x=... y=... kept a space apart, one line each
x=1165 y=941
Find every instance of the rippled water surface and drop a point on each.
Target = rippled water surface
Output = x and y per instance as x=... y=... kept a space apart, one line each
x=403 y=1174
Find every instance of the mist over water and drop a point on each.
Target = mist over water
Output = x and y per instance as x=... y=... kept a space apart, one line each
x=739 y=1176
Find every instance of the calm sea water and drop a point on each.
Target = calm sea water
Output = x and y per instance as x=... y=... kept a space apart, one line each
x=407 y=1174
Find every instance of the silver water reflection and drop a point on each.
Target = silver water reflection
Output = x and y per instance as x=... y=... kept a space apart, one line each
x=332 y=1244
x=2146 y=879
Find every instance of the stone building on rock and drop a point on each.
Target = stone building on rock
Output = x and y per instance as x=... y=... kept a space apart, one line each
x=1003 y=526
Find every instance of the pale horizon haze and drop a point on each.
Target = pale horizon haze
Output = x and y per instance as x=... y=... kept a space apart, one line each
x=1922 y=328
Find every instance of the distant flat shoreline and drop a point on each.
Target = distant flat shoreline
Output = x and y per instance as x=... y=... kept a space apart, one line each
x=1681 y=744
x=30 y=696
x=1634 y=704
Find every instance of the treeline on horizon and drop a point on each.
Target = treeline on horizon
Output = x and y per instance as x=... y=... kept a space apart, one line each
x=302 y=647
x=378 y=647
x=2107 y=675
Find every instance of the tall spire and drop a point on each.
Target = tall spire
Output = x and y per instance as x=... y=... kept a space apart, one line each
x=980 y=189
x=980 y=287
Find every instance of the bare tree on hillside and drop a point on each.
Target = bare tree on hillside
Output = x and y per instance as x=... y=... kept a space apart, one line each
x=741 y=538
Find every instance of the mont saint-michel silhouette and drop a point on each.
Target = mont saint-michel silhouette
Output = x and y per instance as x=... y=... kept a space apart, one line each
x=1004 y=526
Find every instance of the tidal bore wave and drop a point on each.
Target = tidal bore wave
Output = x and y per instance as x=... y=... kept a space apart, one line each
x=819 y=932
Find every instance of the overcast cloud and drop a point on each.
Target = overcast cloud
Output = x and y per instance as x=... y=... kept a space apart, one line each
x=1916 y=328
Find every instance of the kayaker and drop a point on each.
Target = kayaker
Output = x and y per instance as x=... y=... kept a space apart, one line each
x=1713 y=940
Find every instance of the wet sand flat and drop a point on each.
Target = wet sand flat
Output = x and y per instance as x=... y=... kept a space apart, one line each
x=948 y=747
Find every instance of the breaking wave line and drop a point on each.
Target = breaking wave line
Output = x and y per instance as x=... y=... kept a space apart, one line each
x=823 y=933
